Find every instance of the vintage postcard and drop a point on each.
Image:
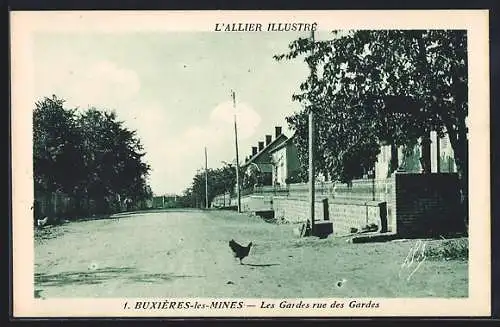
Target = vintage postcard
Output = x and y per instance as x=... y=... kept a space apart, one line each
x=251 y=163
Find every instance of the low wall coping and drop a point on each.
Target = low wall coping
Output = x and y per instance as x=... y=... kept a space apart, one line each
x=356 y=202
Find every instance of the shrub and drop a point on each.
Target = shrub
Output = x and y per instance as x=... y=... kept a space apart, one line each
x=453 y=249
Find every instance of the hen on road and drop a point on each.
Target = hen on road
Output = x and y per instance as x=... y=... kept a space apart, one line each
x=240 y=251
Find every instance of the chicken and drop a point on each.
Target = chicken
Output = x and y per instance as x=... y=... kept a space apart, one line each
x=240 y=251
x=42 y=222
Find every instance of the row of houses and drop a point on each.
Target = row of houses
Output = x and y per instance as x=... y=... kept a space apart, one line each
x=275 y=162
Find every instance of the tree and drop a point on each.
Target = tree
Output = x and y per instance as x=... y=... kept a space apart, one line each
x=89 y=155
x=220 y=181
x=113 y=157
x=187 y=199
x=57 y=159
x=394 y=86
x=378 y=86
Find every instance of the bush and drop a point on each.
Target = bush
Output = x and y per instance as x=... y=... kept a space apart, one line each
x=454 y=249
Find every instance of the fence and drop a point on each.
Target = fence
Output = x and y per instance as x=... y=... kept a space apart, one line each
x=221 y=201
x=57 y=204
x=360 y=189
x=294 y=189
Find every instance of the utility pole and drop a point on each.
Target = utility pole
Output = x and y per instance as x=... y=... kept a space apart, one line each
x=237 y=158
x=206 y=180
x=311 y=159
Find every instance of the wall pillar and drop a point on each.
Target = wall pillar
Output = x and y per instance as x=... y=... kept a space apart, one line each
x=425 y=160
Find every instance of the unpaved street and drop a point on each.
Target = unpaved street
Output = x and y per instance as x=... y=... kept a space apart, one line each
x=185 y=253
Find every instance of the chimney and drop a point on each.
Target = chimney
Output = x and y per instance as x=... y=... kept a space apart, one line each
x=278 y=131
x=268 y=139
x=254 y=150
x=261 y=145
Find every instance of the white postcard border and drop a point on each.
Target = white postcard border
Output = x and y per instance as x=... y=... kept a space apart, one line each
x=24 y=24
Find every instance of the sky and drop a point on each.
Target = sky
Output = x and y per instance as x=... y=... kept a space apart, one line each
x=174 y=89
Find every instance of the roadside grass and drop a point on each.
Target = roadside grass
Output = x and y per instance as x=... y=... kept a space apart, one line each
x=449 y=249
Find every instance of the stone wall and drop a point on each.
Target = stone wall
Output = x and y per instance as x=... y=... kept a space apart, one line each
x=412 y=204
x=294 y=210
x=252 y=203
x=346 y=215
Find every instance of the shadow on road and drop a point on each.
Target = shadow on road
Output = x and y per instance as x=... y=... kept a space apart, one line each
x=90 y=277
x=98 y=276
x=154 y=278
x=150 y=211
x=261 y=265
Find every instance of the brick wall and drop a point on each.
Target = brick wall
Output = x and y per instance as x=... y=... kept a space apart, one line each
x=427 y=204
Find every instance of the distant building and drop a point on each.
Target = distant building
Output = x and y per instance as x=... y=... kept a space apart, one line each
x=258 y=167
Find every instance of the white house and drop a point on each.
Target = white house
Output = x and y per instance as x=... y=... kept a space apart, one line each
x=412 y=161
x=285 y=162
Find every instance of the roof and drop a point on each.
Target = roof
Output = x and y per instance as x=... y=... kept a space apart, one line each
x=280 y=138
x=282 y=145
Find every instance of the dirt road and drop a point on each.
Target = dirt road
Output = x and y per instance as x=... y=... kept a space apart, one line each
x=180 y=253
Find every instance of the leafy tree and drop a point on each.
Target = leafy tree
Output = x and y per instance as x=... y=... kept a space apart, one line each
x=57 y=159
x=220 y=181
x=377 y=86
x=251 y=177
x=187 y=199
x=341 y=150
x=113 y=157
x=89 y=156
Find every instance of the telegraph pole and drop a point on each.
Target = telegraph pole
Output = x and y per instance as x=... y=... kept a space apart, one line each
x=237 y=158
x=311 y=159
x=206 y=180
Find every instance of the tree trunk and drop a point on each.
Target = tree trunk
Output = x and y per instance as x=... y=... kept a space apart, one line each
x=460 y=146
x=426 y=139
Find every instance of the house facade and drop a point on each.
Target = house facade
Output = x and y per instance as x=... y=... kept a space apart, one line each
x=285 y=162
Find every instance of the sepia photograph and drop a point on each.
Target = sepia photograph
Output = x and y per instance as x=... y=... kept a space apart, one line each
x=225 y=163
